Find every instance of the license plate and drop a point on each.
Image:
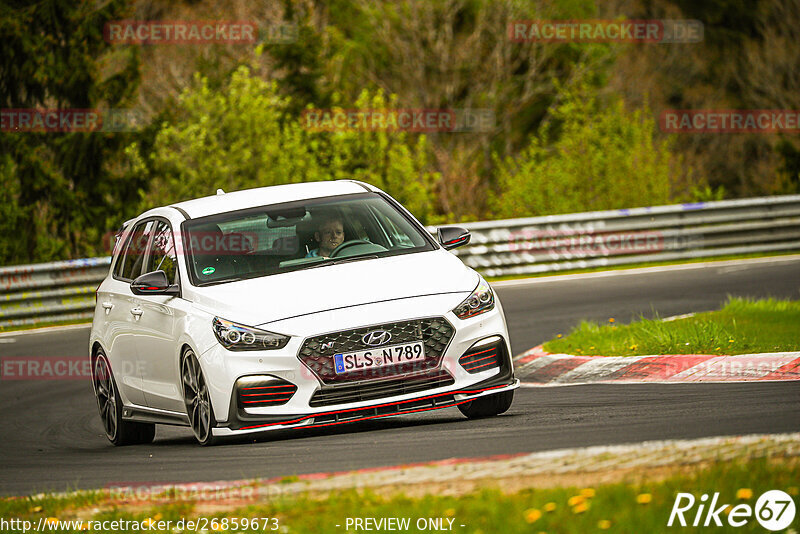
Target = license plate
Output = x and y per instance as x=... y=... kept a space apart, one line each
x=379 y=357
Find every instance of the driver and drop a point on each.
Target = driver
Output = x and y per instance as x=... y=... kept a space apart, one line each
x=329 y=235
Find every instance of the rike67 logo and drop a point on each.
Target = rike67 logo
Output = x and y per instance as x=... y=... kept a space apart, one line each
x=774 y=510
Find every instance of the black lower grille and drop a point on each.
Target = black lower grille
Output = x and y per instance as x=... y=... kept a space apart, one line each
x=481 y=358
x=386 y=409
x=261 y=391
x=380 y=389
x=317 y=352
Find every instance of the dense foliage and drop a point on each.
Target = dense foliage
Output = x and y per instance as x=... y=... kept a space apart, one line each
x=58 y=192
x=244 y=136
x=604 y=157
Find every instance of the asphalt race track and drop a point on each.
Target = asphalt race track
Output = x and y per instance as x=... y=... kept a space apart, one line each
x=52 y=438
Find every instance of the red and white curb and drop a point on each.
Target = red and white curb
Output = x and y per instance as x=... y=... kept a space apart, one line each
x=537 y=367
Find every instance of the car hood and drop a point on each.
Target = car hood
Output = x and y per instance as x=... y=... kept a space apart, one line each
x=260 y=301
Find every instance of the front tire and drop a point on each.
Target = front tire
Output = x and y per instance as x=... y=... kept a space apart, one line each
x=109 y=403
x=197 y=400
x=488 y=406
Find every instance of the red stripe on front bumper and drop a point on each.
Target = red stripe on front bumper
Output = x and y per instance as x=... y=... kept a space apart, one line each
x=303 y=418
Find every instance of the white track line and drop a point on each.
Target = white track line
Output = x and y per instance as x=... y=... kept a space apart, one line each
x=598 y=369
x=45 y=330
x=646 y=270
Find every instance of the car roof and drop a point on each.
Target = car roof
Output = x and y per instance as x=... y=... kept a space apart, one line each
x=263 y=196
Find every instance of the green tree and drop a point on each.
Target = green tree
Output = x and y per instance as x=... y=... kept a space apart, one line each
x=244 y=136
x=588 y=157
x=57 y=186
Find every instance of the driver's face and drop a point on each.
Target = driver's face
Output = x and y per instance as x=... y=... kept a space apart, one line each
x=330 y=236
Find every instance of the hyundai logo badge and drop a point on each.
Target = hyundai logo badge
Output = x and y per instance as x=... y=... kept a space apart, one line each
x=376 y=337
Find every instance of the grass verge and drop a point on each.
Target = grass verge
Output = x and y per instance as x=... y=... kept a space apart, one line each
x=742 y=326
x=615 y=507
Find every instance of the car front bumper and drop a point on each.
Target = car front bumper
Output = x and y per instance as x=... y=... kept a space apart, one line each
x=225 y=368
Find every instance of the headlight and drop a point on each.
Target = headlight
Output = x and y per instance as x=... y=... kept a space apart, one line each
x=234 y=336
x=480 y=301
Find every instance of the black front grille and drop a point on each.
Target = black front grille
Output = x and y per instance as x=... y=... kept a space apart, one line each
x=317 y=352
x=481 y=358
x=261 y=391
x=380 y=389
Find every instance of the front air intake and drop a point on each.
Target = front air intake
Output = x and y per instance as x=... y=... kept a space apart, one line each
x=483 y=357
x=263 y=391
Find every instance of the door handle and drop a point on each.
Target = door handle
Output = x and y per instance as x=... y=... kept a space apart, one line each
x=108 y=305
x=136 y=312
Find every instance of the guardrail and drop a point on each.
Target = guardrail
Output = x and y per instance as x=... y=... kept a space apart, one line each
x=640 y=235
x=64 y=290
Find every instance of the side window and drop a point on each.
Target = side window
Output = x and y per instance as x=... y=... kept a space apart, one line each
x=131 y=265
x=162 y=255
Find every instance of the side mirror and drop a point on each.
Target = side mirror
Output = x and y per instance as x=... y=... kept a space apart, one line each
x=154 y=283
x=452 y=236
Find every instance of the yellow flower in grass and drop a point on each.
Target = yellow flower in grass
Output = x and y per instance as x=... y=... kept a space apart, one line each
x=588 y=492
x=744 y=493
x=610 y=319
x=728 y=509
x=532 y=515
x=149 y=522
x=450 y=512
x=559 y=335
x=582 y=507
x=36 y=509
x=604 y=524
x=51 y=520
x=792 y=490
x=550 y=507
x=575 y=500
x=644 y=498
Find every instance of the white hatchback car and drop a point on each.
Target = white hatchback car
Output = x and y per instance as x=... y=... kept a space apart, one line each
x=302 y=305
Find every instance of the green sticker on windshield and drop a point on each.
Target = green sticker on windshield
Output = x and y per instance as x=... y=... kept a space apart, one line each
x=209 y=270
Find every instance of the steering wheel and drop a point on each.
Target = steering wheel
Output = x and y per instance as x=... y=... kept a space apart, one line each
x=348 y=244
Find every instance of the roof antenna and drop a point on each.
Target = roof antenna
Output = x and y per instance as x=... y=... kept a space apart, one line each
x=220 y=191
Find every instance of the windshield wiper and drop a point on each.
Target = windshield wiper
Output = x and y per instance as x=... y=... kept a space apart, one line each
x=354 y=258
x=218 y=282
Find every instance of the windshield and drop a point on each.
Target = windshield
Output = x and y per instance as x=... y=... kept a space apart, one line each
x=298 y=235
